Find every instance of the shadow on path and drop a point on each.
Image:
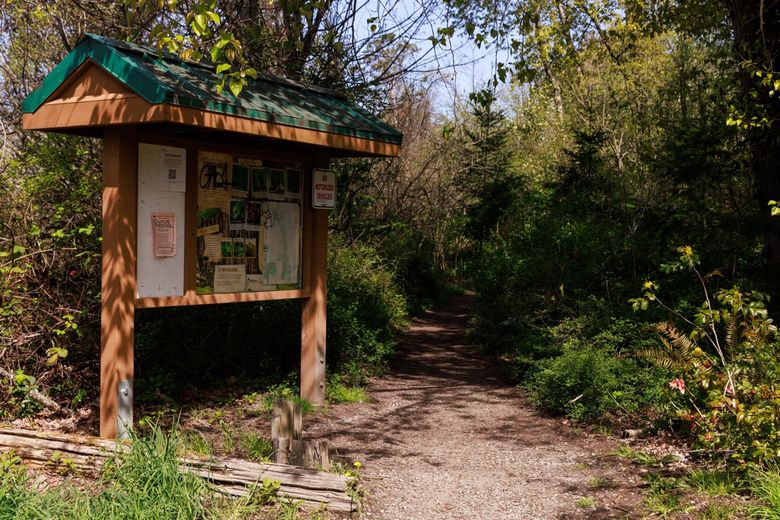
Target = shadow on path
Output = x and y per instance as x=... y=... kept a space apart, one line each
x=445 y=436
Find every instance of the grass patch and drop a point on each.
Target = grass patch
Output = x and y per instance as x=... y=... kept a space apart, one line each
x=712 y=483
x=585 y=502
x=145 y=482
x=765 y=485
x=662 y=499
x=340 y=393
x=197 y=443
x=718 y=512
x=642 y=458
x=256 y=447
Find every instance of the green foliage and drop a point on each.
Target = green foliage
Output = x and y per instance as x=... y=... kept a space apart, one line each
x=588 y=383
x=765 y=485
x=726 y=364
x=615 y=158
x=337 y=392
x=643 y=458
x=256 y=447
x=49 y=264
x=365 y=311
x=713 y=483
x=583 y=368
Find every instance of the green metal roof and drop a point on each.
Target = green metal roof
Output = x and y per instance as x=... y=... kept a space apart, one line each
x=169 y=79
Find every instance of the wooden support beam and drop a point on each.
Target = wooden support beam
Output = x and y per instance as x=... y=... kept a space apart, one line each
x=120 y=178
x=314 y=317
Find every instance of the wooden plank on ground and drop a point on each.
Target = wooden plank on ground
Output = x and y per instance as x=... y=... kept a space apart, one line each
x=230 y=476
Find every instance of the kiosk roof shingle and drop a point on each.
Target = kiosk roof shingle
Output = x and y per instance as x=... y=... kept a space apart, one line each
x=164 y=78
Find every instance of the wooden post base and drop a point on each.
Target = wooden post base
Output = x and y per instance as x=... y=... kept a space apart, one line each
x=287 y=439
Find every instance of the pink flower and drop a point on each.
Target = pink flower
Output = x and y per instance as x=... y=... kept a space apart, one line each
x=678 y=383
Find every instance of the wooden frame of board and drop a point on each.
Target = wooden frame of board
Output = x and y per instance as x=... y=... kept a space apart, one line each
x=119 y=280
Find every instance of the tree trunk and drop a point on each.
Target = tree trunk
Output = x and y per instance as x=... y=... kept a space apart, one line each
x=756 y=28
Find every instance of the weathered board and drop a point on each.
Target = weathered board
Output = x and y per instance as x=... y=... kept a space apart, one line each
x=230 y=476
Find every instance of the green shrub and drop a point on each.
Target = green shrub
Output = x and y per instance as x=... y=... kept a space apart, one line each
x=726 y=361
x=365 y=311
x=588 y=382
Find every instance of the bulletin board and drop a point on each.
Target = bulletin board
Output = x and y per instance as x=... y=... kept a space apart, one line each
x=249 y=224
x=162 y=174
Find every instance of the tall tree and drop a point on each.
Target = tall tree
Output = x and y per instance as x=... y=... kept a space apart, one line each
x=756 y=29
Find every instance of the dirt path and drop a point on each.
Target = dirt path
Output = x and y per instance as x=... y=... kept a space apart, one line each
x=445 y=438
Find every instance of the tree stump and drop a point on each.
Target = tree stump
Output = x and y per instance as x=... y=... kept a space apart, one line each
x=287 y=438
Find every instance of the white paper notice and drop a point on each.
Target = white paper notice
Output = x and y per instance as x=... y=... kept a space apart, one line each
x=229 y=278
x=173 y=169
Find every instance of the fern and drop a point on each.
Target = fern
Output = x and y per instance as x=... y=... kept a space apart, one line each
x=677 y=351
x=733 y=335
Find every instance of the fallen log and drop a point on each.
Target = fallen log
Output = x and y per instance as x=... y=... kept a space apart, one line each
x=229 y=476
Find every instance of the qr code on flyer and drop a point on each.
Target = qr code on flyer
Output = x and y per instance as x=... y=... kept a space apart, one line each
x=171 y=174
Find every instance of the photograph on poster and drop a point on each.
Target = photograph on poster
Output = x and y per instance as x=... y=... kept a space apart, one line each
x=254 y=216
x=237 y=214
x=276 y=184
x=259 y=183
x=250 y=247
x=226 y=247
x=293 y=182
x=213 y=181
x=238 y=248
x=209 y=221
x=239 y=183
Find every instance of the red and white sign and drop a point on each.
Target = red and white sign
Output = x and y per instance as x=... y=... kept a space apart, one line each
x=323 y=192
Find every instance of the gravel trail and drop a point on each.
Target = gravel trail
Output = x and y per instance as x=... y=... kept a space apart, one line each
x=446 y=438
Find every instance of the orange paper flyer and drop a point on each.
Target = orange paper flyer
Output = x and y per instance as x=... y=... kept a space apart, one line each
x=164 y=234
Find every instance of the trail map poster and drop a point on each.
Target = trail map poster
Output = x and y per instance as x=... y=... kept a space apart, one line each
x=249 y=224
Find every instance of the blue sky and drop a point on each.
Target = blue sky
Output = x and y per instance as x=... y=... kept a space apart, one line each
x=459 y=68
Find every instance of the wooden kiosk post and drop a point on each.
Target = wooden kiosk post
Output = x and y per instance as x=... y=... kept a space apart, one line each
x=207 y=198
x=118 y=284
x=314 y=316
